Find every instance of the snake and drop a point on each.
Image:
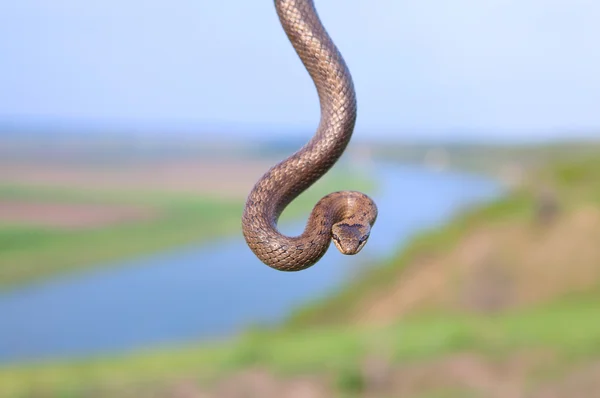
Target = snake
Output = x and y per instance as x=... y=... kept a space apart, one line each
x=344 y=217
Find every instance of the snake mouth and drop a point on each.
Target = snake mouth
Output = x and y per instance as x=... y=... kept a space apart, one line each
x=350 y=247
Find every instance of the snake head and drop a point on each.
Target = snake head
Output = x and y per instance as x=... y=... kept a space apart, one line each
x=350 y=238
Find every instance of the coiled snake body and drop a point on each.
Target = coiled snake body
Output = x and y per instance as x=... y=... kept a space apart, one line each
x=345 y=217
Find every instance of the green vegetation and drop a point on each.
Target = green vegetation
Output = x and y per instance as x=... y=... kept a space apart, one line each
x=31 y=253
x=569 y=329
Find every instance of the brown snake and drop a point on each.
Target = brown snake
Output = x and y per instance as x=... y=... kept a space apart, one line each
x=345 y=217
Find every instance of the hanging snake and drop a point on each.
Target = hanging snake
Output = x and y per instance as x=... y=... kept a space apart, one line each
x=346 y=217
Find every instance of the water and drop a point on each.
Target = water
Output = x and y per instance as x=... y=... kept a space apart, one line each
x=215 y=290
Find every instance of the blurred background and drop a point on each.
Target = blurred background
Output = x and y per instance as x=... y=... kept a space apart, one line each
x=131 y=133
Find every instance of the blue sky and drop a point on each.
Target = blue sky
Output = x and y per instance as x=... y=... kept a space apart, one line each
x=494 y=68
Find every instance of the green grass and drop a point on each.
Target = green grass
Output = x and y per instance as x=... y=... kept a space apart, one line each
x=28 y=253
x=569 y=329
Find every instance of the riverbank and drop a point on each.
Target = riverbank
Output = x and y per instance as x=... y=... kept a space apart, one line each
x=537 y=233
x=544 y=343
x=532 y=331
x=173 y=293
x=59 y=219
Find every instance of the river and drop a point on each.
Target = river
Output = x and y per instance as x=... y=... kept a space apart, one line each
x=214 y=291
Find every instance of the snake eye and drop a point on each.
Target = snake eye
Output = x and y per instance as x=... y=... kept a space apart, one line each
x=336 y=237
x=364 y=238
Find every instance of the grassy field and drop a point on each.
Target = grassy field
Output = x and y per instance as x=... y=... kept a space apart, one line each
x=30 y=252
x=540 y=337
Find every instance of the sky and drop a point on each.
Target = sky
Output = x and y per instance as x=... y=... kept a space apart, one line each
x=492 y=69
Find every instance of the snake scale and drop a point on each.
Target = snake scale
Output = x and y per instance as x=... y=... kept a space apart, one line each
x=346 y=217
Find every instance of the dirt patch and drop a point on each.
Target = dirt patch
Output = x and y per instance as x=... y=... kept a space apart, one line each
x=230 y=178
x=251 y=383
x=70 y=216
x=468 y=373
x=458 y=375
x=493 y=267
x=582 y=382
